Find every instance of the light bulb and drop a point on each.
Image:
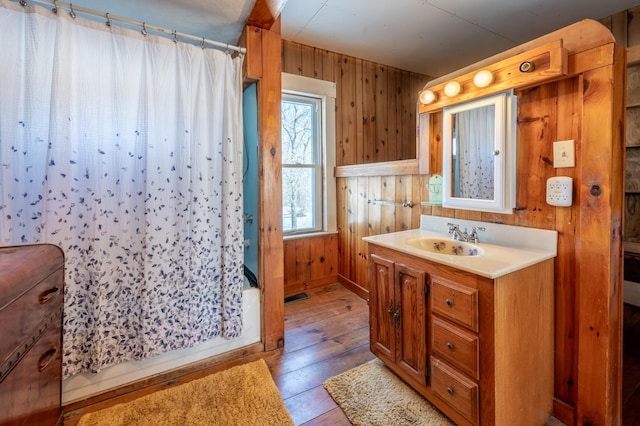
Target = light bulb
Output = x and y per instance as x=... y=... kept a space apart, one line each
x=483 y=78
x=427 y=96
x=452 y=88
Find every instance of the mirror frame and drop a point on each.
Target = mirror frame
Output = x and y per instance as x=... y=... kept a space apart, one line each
x=504 y=166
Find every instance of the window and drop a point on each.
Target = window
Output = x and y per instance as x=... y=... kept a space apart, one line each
x=308 y=155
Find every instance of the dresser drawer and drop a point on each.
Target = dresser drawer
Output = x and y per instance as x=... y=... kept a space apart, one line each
x=458 y=347
x=455 y=302
x=459 y=392
x=30 y=395
x=22 y=319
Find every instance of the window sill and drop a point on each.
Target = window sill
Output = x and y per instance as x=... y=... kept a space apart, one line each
x=309 y=235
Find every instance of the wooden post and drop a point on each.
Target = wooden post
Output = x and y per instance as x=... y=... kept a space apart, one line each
x=265 y=66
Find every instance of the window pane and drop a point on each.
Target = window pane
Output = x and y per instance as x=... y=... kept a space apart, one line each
x=298 y=199
x=299 y=134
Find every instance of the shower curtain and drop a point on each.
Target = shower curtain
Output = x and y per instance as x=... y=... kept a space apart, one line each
x=126 y=151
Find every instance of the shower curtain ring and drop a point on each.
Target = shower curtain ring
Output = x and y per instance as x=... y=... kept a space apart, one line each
x=175 y=37
x=202 y=44
x=144 y=30
x=55 y=7
x=71 y=11
x=23 y=3
x=108 y=23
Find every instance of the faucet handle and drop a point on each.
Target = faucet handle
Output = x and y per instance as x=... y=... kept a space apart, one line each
x=474 y=232
x=452 y=227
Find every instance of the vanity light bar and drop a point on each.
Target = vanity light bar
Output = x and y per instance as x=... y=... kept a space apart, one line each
x=540 y=64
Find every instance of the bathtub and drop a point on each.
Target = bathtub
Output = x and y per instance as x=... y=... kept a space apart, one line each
x=85 y=385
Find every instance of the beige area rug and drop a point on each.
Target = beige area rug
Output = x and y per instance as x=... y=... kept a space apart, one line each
x=242 y=395
x=373 y=395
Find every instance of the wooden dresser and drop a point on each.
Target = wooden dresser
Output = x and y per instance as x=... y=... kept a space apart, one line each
x=31 y=296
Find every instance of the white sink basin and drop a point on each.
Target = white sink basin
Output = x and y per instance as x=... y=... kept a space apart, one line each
x=445 y=246
x=502 y=248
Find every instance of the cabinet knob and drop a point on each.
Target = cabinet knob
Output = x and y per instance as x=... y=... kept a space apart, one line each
x=450 y=390
x=449 y=302
x=450 y=346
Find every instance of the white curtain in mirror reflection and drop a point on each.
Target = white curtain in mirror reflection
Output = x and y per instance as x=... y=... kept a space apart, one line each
x=474 y=149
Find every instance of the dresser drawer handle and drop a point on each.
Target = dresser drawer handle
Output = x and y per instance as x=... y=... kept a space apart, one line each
x=449 y=302
x=46 y=296
x=450 y=346
x=46 y=358
x=450 y=390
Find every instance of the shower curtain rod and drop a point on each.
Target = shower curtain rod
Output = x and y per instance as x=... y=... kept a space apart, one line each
x=143 y=25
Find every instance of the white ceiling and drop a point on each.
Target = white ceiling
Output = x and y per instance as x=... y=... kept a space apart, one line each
x=432 y=37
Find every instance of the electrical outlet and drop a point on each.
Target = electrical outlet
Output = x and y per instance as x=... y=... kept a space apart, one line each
x=563 y=154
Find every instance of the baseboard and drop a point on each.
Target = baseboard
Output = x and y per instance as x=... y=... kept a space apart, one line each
x=563 y=412
x=632 y=293
x=354 y=287
x=175 y=377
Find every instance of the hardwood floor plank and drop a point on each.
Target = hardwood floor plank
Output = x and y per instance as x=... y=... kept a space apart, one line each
x=309 y=405
x=322 y=310
x=303 y=379
x=325 y=335
x=290 y=361
x=334 y=417
x=314 y=333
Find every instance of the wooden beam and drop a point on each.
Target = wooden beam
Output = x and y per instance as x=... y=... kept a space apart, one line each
x=271 y=258
x=265 y=13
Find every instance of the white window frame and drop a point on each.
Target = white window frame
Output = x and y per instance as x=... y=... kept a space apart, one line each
x=326 y=91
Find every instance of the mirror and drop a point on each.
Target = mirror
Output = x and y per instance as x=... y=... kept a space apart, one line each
x=479 y=154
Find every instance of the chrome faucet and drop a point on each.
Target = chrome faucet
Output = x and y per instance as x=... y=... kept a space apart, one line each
x=458 y=235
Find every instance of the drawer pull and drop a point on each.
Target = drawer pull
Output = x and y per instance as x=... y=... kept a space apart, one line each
x=450 y=346
x=46 y=359
x=449 y=302
x=46 y=296
x=450 y=390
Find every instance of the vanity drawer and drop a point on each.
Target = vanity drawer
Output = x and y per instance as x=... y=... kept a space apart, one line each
x=456 y=346
x=455 y=302
x=459 y=392
x=22 y=318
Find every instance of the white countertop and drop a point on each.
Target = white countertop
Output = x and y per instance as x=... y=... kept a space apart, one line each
x=498 y=258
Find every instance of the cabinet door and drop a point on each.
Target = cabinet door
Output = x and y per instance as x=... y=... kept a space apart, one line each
x=411 y=355
x=382 y=308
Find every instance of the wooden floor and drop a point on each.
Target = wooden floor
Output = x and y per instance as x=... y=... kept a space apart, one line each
x=325 y=335
x=328 y=333
x=631 y=366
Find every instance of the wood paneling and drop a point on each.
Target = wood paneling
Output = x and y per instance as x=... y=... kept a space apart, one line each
x=310 y=262
x=375 y=104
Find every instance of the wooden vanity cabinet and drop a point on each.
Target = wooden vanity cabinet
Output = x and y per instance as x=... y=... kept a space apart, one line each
x=398 y=325
x=479 y=349
x=31 y=296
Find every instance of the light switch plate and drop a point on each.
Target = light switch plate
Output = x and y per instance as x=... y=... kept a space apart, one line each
x=564 y=154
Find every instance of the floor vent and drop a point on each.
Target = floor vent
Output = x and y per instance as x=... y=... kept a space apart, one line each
x=293 y=298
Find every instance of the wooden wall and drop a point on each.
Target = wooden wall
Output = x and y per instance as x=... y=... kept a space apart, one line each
x=310 y=262
x=375 y=104
x=375 y=122
x=625 y=26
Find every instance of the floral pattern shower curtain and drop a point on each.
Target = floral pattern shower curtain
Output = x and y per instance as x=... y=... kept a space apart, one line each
x=125 y=151
x=476 y=136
